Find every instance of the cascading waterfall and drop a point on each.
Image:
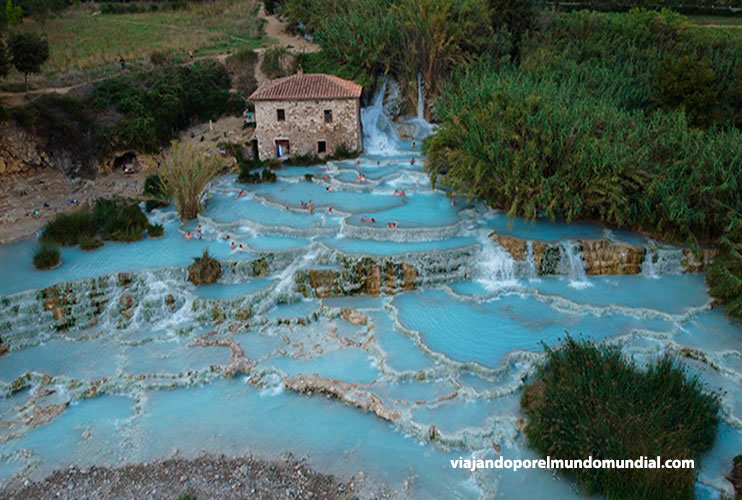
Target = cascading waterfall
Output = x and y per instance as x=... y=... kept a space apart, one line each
x=379 y=133
x=419 y=127
x=649 y=268
x=531 y=272
x=669 y=261
x=495 y=268
x=576 y=274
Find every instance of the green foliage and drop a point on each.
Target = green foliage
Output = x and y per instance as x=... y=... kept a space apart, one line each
x=590 y=401
x=155 y=105
x=159 y=58
x=119 y=220
x=724 y=278
x=538 y=146
x=90 y=242
x=341 y=153
x=242 y=65
x=68 y=229
x=13 y=14
x=46 y=257
x=514 y=17
x=184 y=174
x=68 y=127
x=688 y=84
x=155 y=230
x=277 y=62
x=363 y=38
x=155 y=191
x=137 y=7
x=28 y=51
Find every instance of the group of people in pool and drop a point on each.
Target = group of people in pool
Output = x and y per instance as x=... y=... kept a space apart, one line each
x=195 y=235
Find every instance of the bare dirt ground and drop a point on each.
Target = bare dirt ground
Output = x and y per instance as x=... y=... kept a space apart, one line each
x=51 y=192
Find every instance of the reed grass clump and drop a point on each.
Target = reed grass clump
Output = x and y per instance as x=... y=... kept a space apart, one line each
x=589 y=400
x=184 y=175
x=46 y=257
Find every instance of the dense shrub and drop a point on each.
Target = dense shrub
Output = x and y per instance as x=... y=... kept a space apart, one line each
x=204 y=270
x=155 y=230
x=155 y=193
x=554 y=151
x=591 y=401
x=362 y=38
x=68 y=229
x=90 y=242
x=155 y=105
x=724 y=278
x=69 y=130
x=137 y=7
x=119 y=220
x=159 y=57
x=46 y=257
x=278 y=62
x=242 y=65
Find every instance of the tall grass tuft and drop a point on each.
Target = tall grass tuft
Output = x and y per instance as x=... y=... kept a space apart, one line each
x=46 y=257
x=184 y=174
x=589 y=400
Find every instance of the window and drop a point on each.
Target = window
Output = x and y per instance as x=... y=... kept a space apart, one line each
x=328 y=116
x=281 y=115
x=321 y=147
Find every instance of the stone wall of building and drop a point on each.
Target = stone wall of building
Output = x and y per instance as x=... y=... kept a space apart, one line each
x=305 y=126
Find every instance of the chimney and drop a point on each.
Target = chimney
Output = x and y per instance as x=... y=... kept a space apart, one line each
x=299 y=70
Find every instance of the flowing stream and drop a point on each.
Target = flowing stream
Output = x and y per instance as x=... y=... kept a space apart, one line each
x=454 y=352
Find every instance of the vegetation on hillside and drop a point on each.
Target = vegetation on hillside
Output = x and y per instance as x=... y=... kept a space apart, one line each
x=154 y=105
x=589 y=400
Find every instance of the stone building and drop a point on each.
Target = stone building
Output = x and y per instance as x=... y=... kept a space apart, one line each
x=307 y=114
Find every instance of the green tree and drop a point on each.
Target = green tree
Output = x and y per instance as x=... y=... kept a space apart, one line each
x=13 y=15
x=688 y=83
x=28 y=52
x=514 y=17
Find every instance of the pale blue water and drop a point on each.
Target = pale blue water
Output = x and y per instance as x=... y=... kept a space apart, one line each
x=473 y=338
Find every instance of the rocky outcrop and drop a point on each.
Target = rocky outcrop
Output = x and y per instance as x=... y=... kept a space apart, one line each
x=599 y=257
x=516 y=247
x=698 y=261
x=345 y=392
x=239 y=363
x=20 y=151
x=353 y=316
x=44 y=415
x=611 y=257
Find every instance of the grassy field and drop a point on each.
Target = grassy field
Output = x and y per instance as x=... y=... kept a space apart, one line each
x=84 y=45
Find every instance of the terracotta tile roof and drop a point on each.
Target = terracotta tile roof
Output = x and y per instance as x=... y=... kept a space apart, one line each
x=307 y=86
